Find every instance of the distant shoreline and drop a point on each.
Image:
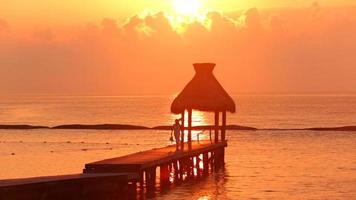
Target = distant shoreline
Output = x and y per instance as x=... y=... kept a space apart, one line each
x=166 y=127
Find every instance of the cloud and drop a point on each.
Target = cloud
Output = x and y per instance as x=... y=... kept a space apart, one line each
x=130 y=28
x=221 y=22
x=109 y=27
x=278 y=51
x=252 y=20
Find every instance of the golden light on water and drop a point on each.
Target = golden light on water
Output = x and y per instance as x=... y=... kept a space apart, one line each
x=204 y=198
x=199 y=118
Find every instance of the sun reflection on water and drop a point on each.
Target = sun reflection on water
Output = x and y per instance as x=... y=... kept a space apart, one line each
x=199 y=118
x=204 y=198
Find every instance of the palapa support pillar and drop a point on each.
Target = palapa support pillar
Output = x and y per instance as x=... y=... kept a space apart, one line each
x=223 y=128
x=182 y=133
x=190 y=112
x=216 y=126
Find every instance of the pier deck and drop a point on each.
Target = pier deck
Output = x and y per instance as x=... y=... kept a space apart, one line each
x=140 y=161
x=118 y=177
x=195 y=160
x=70 y=187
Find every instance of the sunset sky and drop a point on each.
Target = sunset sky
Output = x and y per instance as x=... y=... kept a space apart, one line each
x=114 y=47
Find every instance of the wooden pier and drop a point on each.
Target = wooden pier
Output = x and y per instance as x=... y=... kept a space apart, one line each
x=201 y=159
x=121 y=176
x=126 y=177
x=107 y=186
x=197 y=159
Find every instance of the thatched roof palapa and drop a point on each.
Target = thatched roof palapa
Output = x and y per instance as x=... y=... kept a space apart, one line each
x=203 y=93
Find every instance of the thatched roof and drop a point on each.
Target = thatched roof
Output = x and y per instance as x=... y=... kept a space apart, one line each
x=203 y=92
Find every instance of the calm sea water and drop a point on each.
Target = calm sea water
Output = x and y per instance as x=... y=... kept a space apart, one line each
x=259 y=165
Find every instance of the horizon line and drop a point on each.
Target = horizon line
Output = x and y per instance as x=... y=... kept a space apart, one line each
x=174 y=94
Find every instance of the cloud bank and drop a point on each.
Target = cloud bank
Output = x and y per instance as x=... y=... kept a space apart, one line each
x=307 y=50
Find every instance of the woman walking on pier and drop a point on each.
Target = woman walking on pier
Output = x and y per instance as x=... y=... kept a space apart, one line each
x=177 y=131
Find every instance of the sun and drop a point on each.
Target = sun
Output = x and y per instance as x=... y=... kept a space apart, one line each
x=187 y=7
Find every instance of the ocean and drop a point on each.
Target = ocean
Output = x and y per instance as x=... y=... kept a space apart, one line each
x=264 y=164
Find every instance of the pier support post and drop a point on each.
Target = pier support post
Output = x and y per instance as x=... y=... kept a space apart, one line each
x=219 y=158
x=183 y=128
x=153 y=176
x=180 y=170
x=150 y=178
x=164 y=175
x=192 y=167
x=176 y=171
x=197 y=165
x=132 y=190
x=187 y=167
x=222 y=156
x=205 y=164
x=216 y=160
x=212 y=161
x=141 y=181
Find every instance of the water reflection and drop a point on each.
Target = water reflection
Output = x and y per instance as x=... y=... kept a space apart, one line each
x=210 y=187
x=304 y=164
x=197 y=187
x=204 y=198
x=199 y=118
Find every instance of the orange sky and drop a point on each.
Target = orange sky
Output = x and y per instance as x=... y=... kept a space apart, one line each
x=74 y=11
x=112 y=47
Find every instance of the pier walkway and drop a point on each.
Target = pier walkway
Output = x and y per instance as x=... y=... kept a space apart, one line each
x=197 y=160
x=106 y=186
x=122 y=177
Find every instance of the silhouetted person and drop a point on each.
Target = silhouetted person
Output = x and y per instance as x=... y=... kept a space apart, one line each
x=177 y=131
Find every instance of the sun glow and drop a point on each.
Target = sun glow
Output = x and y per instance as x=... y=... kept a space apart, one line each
x=186 y=12
x=187 y=7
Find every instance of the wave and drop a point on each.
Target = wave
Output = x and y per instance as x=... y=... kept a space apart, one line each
x=340 y=128
x=102 y=127
x=228 y=127
x=166 y=127
x=22 y=127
